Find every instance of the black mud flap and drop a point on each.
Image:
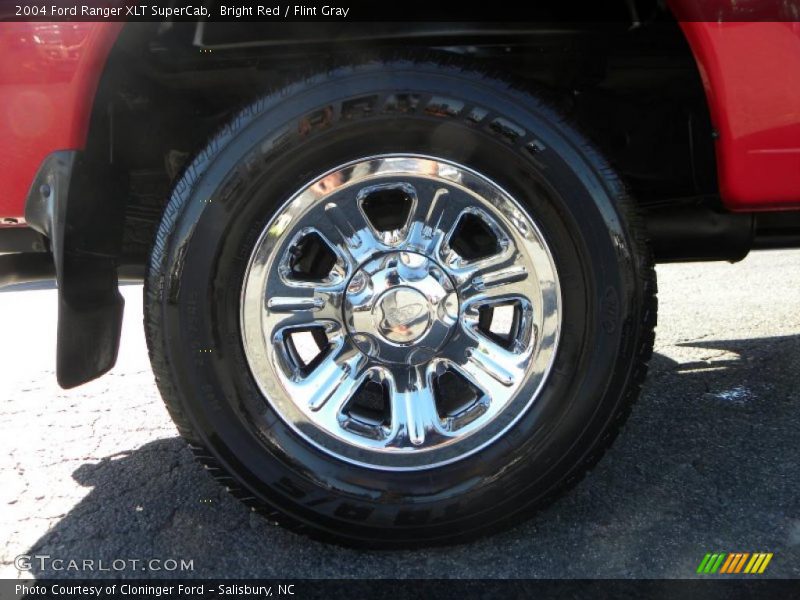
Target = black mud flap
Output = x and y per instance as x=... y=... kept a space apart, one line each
x=76 y=204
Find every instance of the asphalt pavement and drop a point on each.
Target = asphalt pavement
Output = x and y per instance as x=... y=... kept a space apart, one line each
x=707 y=461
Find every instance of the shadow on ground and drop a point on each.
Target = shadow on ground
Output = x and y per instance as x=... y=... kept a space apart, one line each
x=708 y=462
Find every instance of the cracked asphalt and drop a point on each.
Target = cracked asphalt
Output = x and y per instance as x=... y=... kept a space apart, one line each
x=707 y=462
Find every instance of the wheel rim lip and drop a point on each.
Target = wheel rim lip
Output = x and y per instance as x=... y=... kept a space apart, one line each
x=263 y=371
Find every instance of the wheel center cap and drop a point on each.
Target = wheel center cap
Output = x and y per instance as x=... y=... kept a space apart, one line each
x=402 y=315
x=400 y=307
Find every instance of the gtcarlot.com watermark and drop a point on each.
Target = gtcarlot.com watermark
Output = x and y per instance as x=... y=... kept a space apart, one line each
x=48 y=563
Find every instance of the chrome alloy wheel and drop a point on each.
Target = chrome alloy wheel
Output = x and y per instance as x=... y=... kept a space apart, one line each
x=401 y=312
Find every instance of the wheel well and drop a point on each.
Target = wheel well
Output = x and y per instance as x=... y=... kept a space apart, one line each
x=634 y=88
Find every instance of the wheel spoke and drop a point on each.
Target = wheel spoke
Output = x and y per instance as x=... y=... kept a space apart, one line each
x=293 y=304
x=490 y=360
x=287 y=304
x=488 y=365
x=497 y=279
x=414 y=415
x=334 y=380
x=504 y=277
x=437 y=212
x=349 y=231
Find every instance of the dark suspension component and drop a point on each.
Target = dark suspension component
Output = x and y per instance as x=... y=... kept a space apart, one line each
x=701 y=232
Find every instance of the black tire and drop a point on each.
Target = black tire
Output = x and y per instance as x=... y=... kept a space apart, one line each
x=210 y=227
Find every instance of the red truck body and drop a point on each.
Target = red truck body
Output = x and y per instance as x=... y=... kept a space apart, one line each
x=750 y=74
x=48 y=76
